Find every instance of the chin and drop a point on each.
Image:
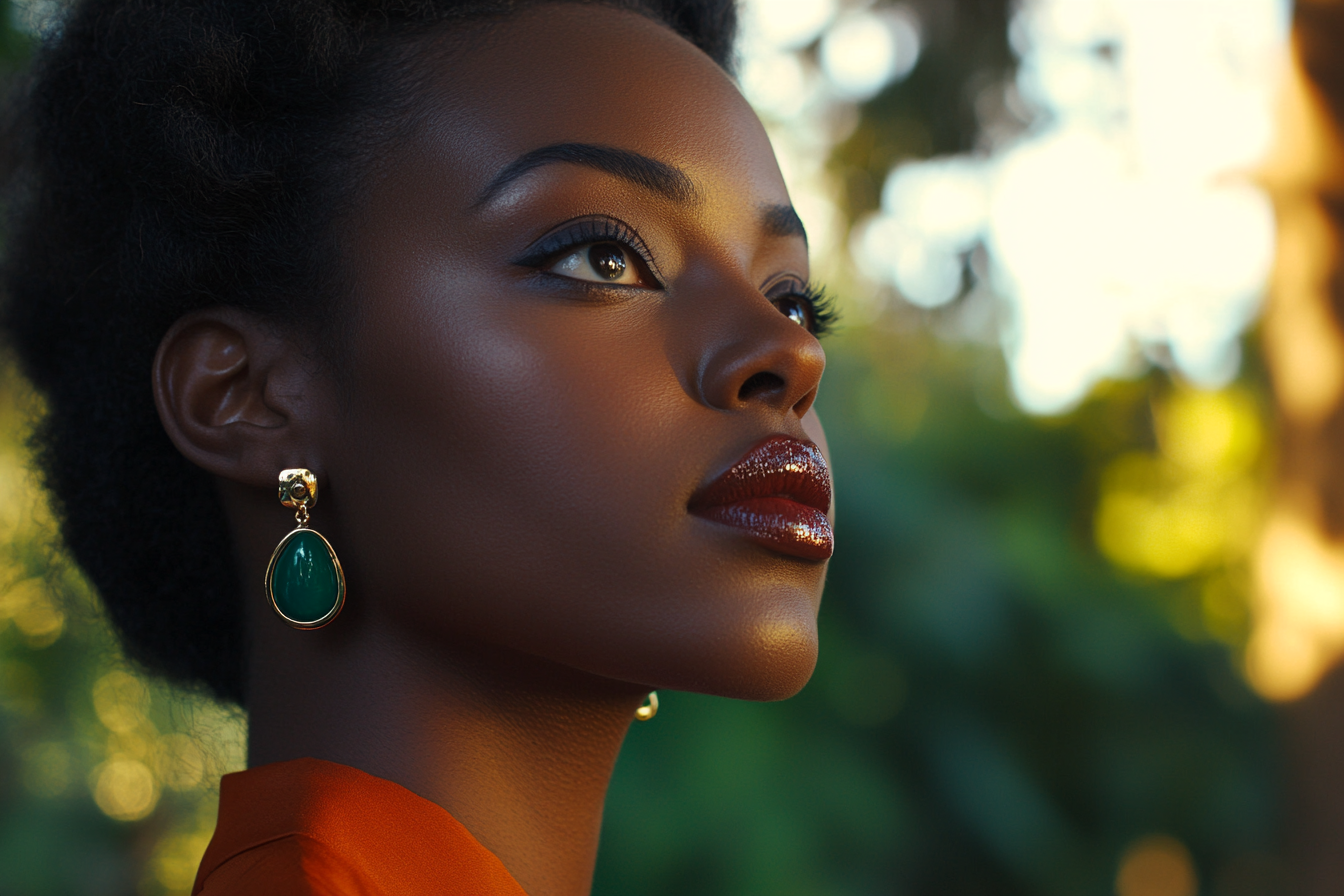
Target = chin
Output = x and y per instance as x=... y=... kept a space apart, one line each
x=771 y=659
x=782 y=661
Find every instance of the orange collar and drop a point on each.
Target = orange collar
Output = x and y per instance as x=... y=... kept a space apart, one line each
x=308 y=821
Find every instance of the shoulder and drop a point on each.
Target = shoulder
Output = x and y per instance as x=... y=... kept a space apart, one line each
x=312 y=828
x=296 y=865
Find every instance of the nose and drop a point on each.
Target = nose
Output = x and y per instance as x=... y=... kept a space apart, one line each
x=761 y=358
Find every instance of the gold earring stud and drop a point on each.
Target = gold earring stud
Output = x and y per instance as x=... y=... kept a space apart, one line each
x=649 y=709
x=304 y=580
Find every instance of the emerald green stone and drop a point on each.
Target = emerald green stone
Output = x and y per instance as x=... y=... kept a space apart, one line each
x=305 y=582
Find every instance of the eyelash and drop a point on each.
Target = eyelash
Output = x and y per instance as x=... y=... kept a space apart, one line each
x=589 y=230
x=819 y=301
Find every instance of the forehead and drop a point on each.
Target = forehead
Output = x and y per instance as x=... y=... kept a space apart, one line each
x=562 y=72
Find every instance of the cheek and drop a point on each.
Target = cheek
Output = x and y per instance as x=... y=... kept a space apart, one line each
x=539 y=413
x=527 y=431
x=546 y=453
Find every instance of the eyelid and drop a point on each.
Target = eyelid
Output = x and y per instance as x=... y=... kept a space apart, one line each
x=584 y=231
x=794 y=283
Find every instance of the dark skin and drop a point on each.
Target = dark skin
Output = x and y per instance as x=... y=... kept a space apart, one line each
x=507 y=461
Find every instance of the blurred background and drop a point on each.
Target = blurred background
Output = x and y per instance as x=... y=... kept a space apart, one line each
x=1082 y=627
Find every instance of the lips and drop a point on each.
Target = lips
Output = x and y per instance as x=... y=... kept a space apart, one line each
x=778 y=495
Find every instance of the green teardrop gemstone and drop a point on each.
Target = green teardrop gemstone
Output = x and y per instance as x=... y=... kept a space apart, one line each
x=305 y=583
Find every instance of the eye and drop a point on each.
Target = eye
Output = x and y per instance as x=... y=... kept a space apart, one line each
x=792 y=308
x=605 y=262
x=599 y=250
x=806 y=304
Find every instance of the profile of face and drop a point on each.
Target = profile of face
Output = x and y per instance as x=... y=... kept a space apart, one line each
x=579 y=300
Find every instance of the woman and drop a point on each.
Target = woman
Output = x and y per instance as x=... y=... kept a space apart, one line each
x=520 y=284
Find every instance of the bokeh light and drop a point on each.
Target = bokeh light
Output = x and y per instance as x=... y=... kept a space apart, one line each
x=1189 y=506
x=121 y=701
x=1033 y=633
x=865 y=51
x=1157 y=866
x=784 y=24
x=90 y=737
x=124 y=788
x=1119 y=219
x=1298 y=633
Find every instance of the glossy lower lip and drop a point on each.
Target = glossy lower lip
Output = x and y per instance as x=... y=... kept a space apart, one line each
x=777 y=495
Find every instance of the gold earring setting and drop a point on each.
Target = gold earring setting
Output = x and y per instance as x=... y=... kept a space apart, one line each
x=649 y=709
x=304 y=580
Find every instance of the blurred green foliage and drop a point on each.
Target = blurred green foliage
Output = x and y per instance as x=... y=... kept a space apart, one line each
x=1032 y=632
x=108 y=780
x=998 y=708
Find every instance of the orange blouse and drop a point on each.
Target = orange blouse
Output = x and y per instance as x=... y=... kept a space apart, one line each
x=313 y=828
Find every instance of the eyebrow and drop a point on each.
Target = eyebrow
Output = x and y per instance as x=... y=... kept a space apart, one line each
x=782 y=220
x=638 y=169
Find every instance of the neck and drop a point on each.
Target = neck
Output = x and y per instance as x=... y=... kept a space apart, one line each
x=518 y=750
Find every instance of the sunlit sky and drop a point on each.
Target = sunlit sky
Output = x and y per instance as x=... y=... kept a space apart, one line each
x=1117 y=215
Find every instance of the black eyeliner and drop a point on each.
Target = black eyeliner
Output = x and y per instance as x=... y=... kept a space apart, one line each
x=583 y=232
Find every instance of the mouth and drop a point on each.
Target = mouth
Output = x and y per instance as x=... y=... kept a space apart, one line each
x=777 y=495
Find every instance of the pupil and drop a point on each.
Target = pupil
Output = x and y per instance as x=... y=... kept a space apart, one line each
x=608 y=260
x=794 y=311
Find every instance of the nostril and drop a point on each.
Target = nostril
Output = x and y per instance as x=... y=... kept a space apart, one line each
x=763 y=383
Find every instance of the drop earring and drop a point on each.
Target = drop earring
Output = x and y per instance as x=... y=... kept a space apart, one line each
x=649 y=709
x=304 y=581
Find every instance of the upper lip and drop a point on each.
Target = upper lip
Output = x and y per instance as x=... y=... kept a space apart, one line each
x=779 y=467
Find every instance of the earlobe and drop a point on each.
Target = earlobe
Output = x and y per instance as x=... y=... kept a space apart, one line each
x=223 y=385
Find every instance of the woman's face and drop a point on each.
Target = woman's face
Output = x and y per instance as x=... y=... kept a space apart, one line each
x=577 y=306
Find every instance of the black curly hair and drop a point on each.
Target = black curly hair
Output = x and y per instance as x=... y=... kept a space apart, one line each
x=183 y=154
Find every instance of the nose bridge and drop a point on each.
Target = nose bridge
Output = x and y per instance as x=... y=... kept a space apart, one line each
x=749 y=353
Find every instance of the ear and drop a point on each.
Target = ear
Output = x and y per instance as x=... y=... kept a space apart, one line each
x=235 y=397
